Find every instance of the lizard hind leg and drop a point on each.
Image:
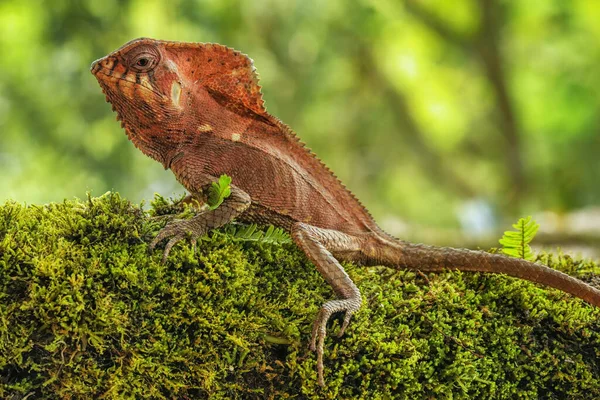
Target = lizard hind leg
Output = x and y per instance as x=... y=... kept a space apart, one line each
x=318 y=244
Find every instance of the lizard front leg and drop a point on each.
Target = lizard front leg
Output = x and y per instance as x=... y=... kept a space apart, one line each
x=318 y=244
x=237 y=202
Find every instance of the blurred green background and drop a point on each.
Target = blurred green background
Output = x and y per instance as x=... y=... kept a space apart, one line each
x=446 y=118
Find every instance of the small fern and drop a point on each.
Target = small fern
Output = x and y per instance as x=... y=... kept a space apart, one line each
x=516 y=243
x=252 y=233
x=219 y=191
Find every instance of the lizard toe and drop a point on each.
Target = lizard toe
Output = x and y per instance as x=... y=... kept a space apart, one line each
x=178 y=237
x=347 y=319
x=153 y=244
x=319 y=327
x=176 y=228
x=175 y=231
x=319 y=332
x=168 y=230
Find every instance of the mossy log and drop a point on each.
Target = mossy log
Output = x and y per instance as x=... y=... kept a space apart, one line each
x=86 y=312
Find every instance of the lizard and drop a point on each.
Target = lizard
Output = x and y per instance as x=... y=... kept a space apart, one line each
x=197 y=108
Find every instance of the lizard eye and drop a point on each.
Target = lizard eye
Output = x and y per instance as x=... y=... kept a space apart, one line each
x=144 y=61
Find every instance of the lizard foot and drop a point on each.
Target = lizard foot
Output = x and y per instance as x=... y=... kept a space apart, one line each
x=317 y=343
x=176 y=231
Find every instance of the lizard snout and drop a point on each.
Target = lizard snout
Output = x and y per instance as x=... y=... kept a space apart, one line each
x=95 y=66
x=107 y=63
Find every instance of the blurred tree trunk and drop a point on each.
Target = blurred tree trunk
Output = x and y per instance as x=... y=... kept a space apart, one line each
x=433 y=163
x=485 y=46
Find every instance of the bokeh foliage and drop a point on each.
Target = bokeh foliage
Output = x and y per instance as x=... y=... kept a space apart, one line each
x=85 y=312
x=418 y=105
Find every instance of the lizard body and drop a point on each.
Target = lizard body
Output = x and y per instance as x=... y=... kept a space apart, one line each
x=197 y=108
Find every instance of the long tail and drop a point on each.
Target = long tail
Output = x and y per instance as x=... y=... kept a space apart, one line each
x=400 y=254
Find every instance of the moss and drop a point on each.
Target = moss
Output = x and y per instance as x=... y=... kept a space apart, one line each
x=86 y=312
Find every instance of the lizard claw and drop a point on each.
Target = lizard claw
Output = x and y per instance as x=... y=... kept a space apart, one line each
x=317 y=343
x=347 y=318
x=176 y=231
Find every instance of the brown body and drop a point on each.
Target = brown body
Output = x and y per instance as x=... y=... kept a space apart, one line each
x=197 y=109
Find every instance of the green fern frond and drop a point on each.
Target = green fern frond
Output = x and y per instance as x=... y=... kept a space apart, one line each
x=516 y=243
x=251 y=233
x=219 y=191
x=275 y=235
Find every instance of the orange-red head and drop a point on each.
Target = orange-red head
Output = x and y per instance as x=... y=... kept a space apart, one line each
x=158 y=88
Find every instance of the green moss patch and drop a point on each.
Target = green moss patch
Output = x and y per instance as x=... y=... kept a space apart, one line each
x=86 y=312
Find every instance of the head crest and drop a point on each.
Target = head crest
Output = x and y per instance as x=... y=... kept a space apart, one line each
x=221 y=69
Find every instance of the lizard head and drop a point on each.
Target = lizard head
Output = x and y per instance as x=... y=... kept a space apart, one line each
x=162 y=90
x=144 y=87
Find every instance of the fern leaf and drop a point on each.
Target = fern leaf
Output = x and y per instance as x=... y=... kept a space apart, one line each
x=219 y=191
x=516 y=243
x=251 y=233
x=275 y=235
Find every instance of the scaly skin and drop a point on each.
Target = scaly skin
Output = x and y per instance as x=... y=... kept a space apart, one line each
x=197 y=108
